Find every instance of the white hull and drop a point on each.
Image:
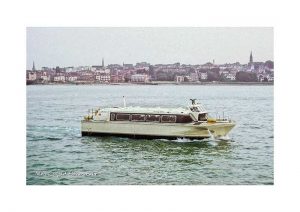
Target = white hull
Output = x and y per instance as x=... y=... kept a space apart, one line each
x=156 y=130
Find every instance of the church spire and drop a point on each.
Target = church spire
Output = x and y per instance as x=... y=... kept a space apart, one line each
x=251 y=58
x=33 y=66
x=102 y=62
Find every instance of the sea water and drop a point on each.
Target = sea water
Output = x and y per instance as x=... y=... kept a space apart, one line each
x=58 y=154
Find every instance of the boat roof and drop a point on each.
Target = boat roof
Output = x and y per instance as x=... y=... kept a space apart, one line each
x=152 y=110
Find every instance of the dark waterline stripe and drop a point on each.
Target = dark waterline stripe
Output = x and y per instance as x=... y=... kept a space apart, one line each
x=97 y=134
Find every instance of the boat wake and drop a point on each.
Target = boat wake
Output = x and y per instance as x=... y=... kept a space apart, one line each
x=185 y=140
x=180 y=140
x=214 y=140
x=224 y=138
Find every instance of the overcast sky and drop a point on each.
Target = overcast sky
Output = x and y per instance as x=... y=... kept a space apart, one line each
x=86 y=46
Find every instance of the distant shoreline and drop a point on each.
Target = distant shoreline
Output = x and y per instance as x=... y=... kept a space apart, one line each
x=159 y=83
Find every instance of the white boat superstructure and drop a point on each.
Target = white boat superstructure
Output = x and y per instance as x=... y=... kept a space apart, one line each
x=155 y=122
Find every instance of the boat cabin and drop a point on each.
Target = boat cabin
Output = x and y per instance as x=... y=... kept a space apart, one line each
x=192 y=113
x=143 y=117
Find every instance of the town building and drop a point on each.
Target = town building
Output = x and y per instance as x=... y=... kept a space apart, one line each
x=265 y=78
x=31 y=76
x=230 y=76
x=105 y=78
x=69 y=69
x=102 y=71
x=179 y=79
x=187 y=78
x=128 y=66
x=44 y=76
x=203 y=76
x=142 y=65
x=194 y=77
x=72 y=78
x=139 y=78
x=117 y=77
x=59 y=78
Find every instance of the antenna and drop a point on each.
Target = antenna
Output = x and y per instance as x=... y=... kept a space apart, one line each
x=193 y=101
x=124 y=101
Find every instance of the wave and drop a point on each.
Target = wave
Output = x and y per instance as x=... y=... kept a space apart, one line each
x=76 y=151
x=42 y=138
x=53 y=138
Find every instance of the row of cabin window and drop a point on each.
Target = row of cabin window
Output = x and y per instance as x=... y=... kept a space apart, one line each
x=150 y=118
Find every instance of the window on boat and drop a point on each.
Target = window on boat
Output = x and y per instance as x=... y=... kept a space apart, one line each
x=153 y=118
x=168 y=119
x=195 y=109
x=183 y=119
x=122 y=117
x=112 y=116
x=202 y=117
x=137 y=117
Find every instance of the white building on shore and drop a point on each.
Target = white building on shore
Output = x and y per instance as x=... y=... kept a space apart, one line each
x=31 y=75
x=203 y=75
x=179 y=79
x=60 y=78
x=230 y=76
x=139 y=78
x=72 y=78
x=103 y=78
